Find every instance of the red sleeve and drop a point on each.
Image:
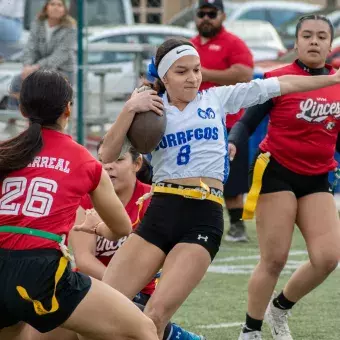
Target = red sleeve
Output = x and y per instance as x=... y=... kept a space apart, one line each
x=86 y=202
x=241 y=54
x=268 y=75
x=93 y=171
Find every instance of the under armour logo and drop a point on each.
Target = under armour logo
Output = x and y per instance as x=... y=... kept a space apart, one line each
x=200 y=237
x=178 y=335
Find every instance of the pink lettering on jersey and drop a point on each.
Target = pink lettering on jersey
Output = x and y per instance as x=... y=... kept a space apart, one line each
x=49 y=162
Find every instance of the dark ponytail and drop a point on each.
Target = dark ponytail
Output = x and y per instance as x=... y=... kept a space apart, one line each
x=144 y=174
x=162 y=50
x=44 y=96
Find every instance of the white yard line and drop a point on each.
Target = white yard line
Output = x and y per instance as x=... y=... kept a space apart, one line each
x=228 y=266
x=255 y=257
x=221 y=325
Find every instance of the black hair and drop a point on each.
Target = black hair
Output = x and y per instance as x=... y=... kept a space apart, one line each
x=144 y=174
x=162 y=50
x=314 y=17
x=44 y=96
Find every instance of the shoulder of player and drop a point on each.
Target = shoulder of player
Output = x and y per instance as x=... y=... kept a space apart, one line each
x=80 y=152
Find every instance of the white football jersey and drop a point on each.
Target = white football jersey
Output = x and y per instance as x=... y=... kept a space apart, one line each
x=195 y=140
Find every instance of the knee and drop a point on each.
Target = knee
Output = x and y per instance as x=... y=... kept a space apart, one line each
x=143 y=329
x=148 y=329
x=274 y=265
x=325 y=264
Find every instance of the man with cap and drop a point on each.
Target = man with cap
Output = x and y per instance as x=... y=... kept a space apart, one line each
x=225 y=60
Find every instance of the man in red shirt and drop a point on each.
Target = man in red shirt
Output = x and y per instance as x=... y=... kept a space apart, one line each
x=225 y=60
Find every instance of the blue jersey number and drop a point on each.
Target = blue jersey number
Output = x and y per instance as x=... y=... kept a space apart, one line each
x=183 y=156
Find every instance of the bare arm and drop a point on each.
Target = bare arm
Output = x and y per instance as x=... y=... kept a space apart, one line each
x=291 y=84
x=84 y=249
x=237 y=73
x=258 y=91
x=139 y=102
x=110 y=208
x=93 y=224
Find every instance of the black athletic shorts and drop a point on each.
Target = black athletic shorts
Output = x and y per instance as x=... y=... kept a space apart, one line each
x=172 y=219
x=237 y=182
x=35 y=271
x=277 y=178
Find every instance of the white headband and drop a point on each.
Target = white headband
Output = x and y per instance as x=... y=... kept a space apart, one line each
x=173 y=56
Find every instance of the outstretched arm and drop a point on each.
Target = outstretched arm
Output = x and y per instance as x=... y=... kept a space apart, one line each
x=291 y=84
x=258 y=91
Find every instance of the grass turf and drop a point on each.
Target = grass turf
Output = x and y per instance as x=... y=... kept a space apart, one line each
x=221 y=297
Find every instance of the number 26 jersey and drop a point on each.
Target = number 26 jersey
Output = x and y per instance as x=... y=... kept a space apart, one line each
x=46 y=194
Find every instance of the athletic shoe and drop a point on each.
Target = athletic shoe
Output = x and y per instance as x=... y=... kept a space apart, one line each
x=277 y=320
x=237 y=233
x=255 y=335
x=178 y=333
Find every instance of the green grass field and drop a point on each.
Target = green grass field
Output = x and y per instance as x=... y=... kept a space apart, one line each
x=217 y=307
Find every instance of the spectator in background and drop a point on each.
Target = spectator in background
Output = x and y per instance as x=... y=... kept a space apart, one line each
x=225 y=60
x=11 y=20
x=11 y=25
x=51 y=44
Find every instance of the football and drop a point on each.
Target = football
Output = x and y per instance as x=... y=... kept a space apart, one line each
x=147 y=129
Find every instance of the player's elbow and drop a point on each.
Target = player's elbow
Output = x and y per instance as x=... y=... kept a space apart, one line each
x=126 y=229
x=246 y=75
x=118 y=230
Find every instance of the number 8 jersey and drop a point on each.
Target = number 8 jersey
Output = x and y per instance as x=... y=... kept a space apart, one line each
x=195 y=140
x=46 y=194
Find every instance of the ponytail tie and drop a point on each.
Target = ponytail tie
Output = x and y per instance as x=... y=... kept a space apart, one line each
x=152 y=73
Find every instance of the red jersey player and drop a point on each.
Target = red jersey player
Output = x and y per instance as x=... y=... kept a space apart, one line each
x=44 y=175
x=301 y=140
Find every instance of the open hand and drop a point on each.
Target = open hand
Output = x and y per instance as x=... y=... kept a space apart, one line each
x=92 y=220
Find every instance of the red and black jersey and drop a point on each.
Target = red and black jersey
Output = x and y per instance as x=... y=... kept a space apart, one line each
x=46 y=194
x=105 y=249
x=220 y=53
x=303 y=127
